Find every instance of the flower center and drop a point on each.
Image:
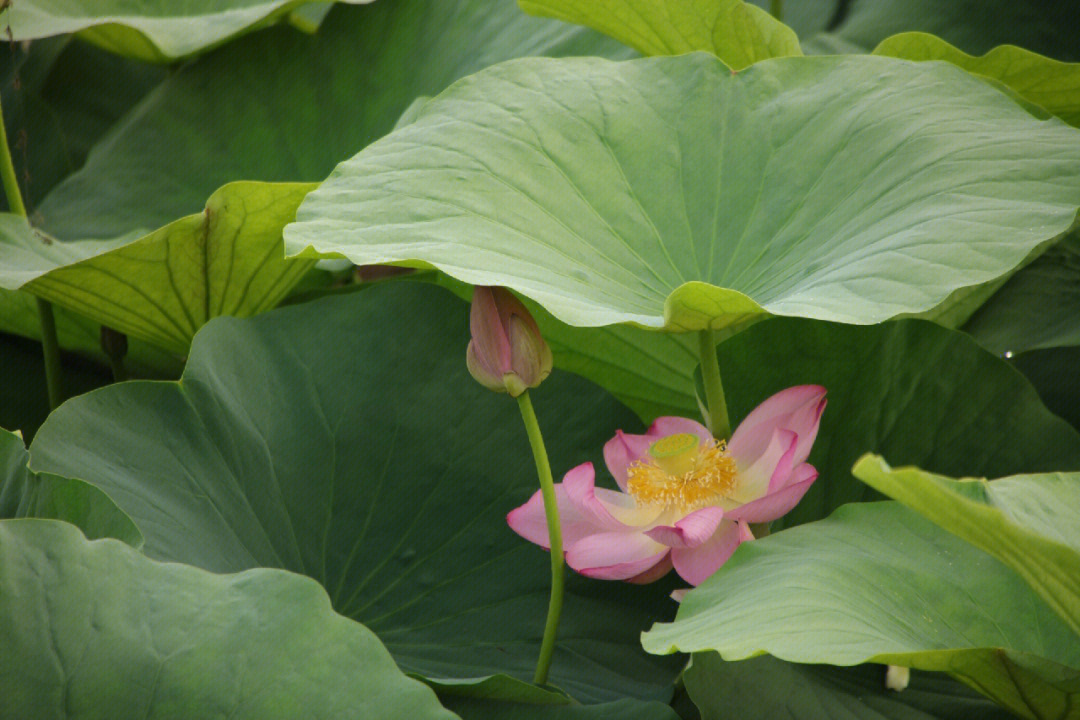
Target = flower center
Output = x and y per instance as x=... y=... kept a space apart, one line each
x=682 y=473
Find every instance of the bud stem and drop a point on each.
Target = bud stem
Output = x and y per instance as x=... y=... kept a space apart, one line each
x=551 y=511
x=717 y=419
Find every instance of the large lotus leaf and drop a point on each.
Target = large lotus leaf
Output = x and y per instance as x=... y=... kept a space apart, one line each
x=1031 y=523
x=59 y=97
x=876 y=582
x=738 y=33
x=765 y=688
x=672 y=193
x=1050 y=84
x=164 y=286
x=975 y=26
x=914 y=392
x=287 y=107
x=95 y=629
x=330 y=439
x=165 y=159
x=1039 y=307
x=158 y=30
x=24 y=493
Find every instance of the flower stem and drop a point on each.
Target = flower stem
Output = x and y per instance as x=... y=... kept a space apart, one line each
x=714 y=391
x=776 y=9
x=551 y=511
x=49 y=344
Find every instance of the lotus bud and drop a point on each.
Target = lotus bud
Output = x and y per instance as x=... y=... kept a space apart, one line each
x=507 y=352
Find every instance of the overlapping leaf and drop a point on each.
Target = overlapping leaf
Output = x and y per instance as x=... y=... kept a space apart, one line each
x=80 y=335
x=738 y=33
x=1031 y=523
x=163 y=287
x=1050 y=84
x=670 y=193
x=26 y=494
x=157 y=31
x=1037 y=308
x=875 y=582
x=165 y=159
x=765 y=688
x=975 y=26
x=95 y=627
x=59 y=98
x=335 y=440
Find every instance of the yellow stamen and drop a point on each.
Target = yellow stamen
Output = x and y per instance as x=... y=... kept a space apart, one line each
x=681 y=476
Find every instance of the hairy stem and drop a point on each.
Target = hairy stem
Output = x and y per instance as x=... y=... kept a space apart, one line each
x=551 y=511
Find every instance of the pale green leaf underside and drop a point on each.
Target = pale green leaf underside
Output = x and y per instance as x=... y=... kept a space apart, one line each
x=671 y=193
x=875 y=582
x=95 y=627
x=738 y=33
x=154 y=30
x=164 y=286
x=1050 y=84
x=1031 y=523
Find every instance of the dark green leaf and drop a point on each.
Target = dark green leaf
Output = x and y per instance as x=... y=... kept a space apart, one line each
x=344 y=439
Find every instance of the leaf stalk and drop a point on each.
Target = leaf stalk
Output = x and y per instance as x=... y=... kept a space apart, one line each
x=49 y=344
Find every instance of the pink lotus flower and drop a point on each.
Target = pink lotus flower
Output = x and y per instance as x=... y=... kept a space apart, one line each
x=687 y=499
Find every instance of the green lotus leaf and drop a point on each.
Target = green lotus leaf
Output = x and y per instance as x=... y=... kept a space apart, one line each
x=738 y=33
x=164 y=160
x=671 y=193
x=26 y=494
x=157 y=31
x=1028 y=522
x=332 y=440
x=1038 y=308
x=1050 y=84
x=116 y=632
x=367 y=63
x=165 y=285
x=765 y=688
x=875 y=582
x=59 y=98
